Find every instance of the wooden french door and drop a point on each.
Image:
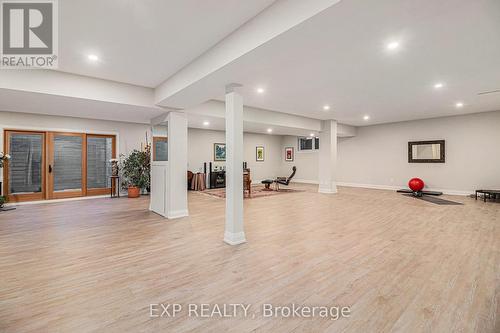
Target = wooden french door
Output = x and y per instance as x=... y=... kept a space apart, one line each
x=100 y=149
x=66 y=164
x=56 y=165
x=24 y=174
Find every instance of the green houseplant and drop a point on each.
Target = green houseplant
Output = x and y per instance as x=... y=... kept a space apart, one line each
x=135 y=170
x=3 y=200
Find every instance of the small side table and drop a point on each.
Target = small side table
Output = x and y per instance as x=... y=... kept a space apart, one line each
x=198 y=182
x=115 y=186
x=487 y=194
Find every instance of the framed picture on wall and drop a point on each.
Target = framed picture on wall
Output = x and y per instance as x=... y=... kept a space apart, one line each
x=259 y=154
x=219 y=151
x=160 y=148
x=289 y=154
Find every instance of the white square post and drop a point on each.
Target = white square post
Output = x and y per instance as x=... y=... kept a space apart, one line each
x=169 y=178
x=234 y=233
x=328 y=157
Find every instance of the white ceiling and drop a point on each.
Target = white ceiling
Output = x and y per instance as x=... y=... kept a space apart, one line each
x=49 y=104
x=218 y=124
x=30 y=102
x=144 y=42
x=339 y=58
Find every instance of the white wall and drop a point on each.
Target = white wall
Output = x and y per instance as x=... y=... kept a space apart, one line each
x=305 y=161
x=201 y=149
x=378 y=155
x=129 y=135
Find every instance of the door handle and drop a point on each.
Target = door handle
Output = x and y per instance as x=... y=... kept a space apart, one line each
x=50 y=168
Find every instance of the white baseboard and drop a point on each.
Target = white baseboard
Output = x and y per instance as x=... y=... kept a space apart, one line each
x=54 y=200
x=376 y=187
x=327 y=191
x=395 y=188
x=177 y=214
x=386 y=187
x=234 y=238
x=305 y=181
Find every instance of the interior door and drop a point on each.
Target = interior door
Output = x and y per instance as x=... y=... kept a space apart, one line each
x=24 y=174
x=66 y=165
x=100 y=149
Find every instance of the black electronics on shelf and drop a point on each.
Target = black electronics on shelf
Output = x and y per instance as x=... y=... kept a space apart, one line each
x=216 y=179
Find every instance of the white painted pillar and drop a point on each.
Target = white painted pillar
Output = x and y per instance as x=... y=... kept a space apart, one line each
x=169 y=178
x=177 y=162
x=328 y=157
x=234 y=233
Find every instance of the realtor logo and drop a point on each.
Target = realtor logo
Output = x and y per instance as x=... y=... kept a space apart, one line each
x=29 y=34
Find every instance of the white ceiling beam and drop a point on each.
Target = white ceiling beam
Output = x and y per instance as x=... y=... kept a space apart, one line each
x=270 y=23
x=77 y=86
x=216 y=109
x=259 y=120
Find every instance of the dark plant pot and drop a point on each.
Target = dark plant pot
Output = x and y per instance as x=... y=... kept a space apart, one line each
x=134 y=192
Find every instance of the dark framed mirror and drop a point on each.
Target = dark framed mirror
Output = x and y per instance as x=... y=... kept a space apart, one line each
x=426 y=151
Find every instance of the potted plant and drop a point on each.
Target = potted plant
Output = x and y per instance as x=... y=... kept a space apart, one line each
x=135 y=173
x=3 y=200
x=3 y=159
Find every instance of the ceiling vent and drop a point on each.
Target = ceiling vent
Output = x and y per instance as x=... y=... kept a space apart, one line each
x=489 y=92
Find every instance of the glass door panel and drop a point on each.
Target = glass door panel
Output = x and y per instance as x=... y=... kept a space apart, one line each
x=66 y=165
x=160 y=148
x=24 y=172
x=100 y=149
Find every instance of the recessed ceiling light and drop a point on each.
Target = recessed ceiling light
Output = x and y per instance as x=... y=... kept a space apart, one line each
x=438 y=85
x=326 y=107
x=459 y=105
x=206 y=123
x=393 y=46
x=269 y=130
x=93 y=57
x=312 y=134
x=260 y=90
x=367 y=117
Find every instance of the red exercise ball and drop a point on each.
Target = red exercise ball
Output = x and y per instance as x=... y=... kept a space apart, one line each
x=416 y=184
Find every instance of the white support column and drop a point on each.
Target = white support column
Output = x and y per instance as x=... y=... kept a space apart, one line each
x=328 y=157
x=177 y=165
x=169 y=178
x=234 y=233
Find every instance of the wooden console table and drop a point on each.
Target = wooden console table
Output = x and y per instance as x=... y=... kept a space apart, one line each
x=115 y=186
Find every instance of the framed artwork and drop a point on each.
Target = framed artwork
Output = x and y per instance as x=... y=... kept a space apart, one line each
x=219 y=151
x=289 y=154
x=426 y=151
x=259 y=154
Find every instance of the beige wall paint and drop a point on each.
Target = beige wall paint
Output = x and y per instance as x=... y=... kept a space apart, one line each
x=129 y=135
x=377 y=155
x=201 y=145
x=305 y=161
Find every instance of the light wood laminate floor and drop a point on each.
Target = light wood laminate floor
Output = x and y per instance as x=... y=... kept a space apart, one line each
x=401 y=264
